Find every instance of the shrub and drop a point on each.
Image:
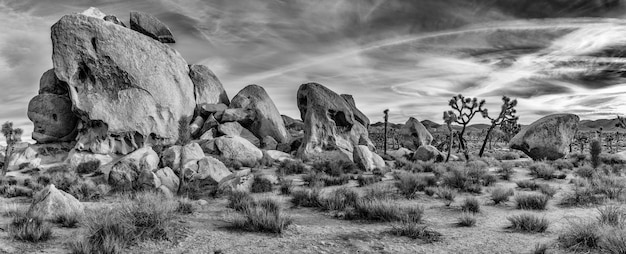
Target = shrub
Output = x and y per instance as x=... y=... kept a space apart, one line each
x=306 y=197
x=614 y=242
x=239 y=200
x=611 y=159
x=151 y=215
x=580 y=236
x=260 y=184
x=87 y=190
x=384 y=210
x=541 y=248
x=266 y=216
x=285 y=187
x=585 y=171
x=88 y=167
x=409 y=184
x=379 y=192
x=230 y=163
x=471 y=204
x=506 y=170
x=107 y=231
x=336 y=167
x=32 y=229
x=446 y=194
x=430 y=191
x=291 y=167
x=489 y=179
x=528 y=223
x=69 y=220
x=500 y=195
x=185 y=206
x=367 y=180
x=466 y=220
x=561 y=164
x=416 y=231
x=581 y=196
x=610 y=215
x=527 y=184
x=340 y=199
x=594 y=151
x=17 y=191
x=542 y=170
x=547 y=190
x=532 y=201
x=317 y=179
x=612 y=187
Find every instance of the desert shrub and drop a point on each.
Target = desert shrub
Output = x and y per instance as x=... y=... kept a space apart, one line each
x=500 y=195
x=416 y=231
x=430 y=191
x=542 y=170
x=505 y=155
x=506 y=170
x=12 y=191
x=29 y=183
x=577 y=158
x=107 y=231
x=285 y=187
x=527 y=184
x=266 y=216
x=151 y=215
x=447 y=194
x=239 y=200
x=580 y=236
x=291 y=167
x=336 y=167
x=546 y=189
x=340 y=199
x=379 y=192
x=585 y=171
x=31 y=229
x=231 y=163
x=541 y=248
x=409 y=184
x=260 y=184
x=611 y=215
x=424 y=166
x=88 y=167
x=87 y=190
x=384 y=210
x=595 y=150
x=561 y=164
x=532 y=201
x=69 y=220
x=581 y=196
x=320 y=179
x=466 y=220
x=184 y=206
x=528 y=223
x=471 y=204
x=611 y=186
x=367 y=180
x=63 y=180
x=614 y=242
x=460 y=179
x=611 y=159
x=306 y=197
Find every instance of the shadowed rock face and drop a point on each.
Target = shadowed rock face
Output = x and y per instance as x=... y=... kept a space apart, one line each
x=415 y=134
x=358 y=115
x=150 y=26
x=329 y=123
x=267 y=119
x=53 y=118
x=208 y=88
x=547 y=138
x=130 y=89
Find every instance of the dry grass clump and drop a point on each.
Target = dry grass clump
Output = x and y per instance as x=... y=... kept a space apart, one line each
x=28 y=228
x=260 y=184
x=501 y=195
x=471 y=204
x=466 y=220
x=262 y=216
x=532 y=201
x=528 y=223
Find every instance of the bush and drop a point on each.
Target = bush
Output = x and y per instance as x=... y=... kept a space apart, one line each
x=500 y=195
x=581 y=236
x=468 y=181
x=292 y=167
x=379 y=192
x=614 y=242
x=317 y=179
x=12 y=191
x=107 y=231
x=527 y=184
x=266 y=216
x=580 y=197
x=561 y=164
x=69 y=220
x=430 y=191
x=611 y=186
x=88 y=167
x=528 y=223
x=260 y=184
x=151 y=215
x=409 y=184
x=384 y=210
x=506 y=171
x=340 y=199
x=471 y=204
x=532 y=201
x=594 y=151
x=87 y=190
x=239 y=200
x=542 y=170
x=547 y=190
x=306 y=198
x=416 y=231
x=446 y=194
x=541 y=248
x=611 y=215
x=367 y=180
x=336 y=167
x=467 y=220
x=285 y=187
x=585 y=171
x=185 y=206
x=32 y=229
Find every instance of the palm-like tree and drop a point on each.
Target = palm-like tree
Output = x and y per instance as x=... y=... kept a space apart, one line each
x=12 y=136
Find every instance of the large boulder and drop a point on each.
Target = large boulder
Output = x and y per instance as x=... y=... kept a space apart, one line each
x=230 y=128
x=75 y=158
x=168 y=178
x=427 y=153
x=237 y=181
x=414 y=134
x=358 y=115
x=171 y=157
x=50 y=203
x=267 y=120
x=124 y=98
x=50 y=84
x=125 y=170
x=211 y=169
x=329 y=123
x=53 y=118
x=208 y=88
x=239 y=149
x=236 y=115
x=150 y=26
x=366 y=159
x=547 y=138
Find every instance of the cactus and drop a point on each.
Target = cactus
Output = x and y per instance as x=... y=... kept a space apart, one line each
x=386 y=120
x=464 y=109
x=12 y=136
x=507 y=115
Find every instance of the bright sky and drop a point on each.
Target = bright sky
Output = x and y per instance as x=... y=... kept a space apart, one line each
x=408 y=56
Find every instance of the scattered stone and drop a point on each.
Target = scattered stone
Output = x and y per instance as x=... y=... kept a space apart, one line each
x=168 y=179
x=236 y=115
x=210 y=123
x=150 y=26
x=171 y=156
x=278 y=155
x=208 y=135
x=230 y=129
x=211 y=169
x=248 y=135
x=76 y=158
x=196 y=125
x=211 y=108
x=50 y=203
x=239 y=149
x=401 y=153
x=239 y=180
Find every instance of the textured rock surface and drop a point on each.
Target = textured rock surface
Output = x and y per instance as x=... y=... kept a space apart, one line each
x=366 y=159
x=150 y=26
x=329 y=122
x=267 y=120
x=237 y=115
x=238 y=180
x=548 y=137
x=230 y=129
x=50 y=203
x=53 y=118
x=211 y=169
x=114 y=20
x=269 y=143
x=50 y=84
x=239 y=149
x=171 y=156
x=75 y=158
x=168 y=179
x=125 y=171
x=358 y=115
x=428 y=152
x=108 y=73
x=414 y=134
x=208 y=88
x=278 y=155
x=210 y=108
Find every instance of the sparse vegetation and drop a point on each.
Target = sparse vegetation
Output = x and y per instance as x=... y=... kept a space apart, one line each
x=500 y=195
x=31 y=229
x=185 y=206
x=447 y=194
x=262 y=216
x=528 y=223
x=260 y=184
x=467 y=220
x=291 y=167
x=471 y=204
x=581 y=236
x=532 y=201
x=88 y=167
x=416 y=231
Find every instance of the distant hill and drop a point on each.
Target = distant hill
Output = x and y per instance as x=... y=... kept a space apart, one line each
x=605 y=124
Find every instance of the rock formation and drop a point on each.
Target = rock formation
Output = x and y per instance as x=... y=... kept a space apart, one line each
x=547 y=138
x=266 y=118
x=151 y=27
x=415 y=134
x=50 y=203
x=208 y=88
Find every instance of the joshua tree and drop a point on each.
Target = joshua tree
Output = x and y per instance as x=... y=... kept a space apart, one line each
x=386 y=120
x=449 y=117
x=510 y=129
x=464 y=110
x=12 y=136
x=507 y=114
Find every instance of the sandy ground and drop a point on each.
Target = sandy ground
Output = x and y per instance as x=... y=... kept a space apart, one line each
x=313 y=231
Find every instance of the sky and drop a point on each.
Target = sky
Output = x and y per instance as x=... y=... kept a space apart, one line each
x=410 y=57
